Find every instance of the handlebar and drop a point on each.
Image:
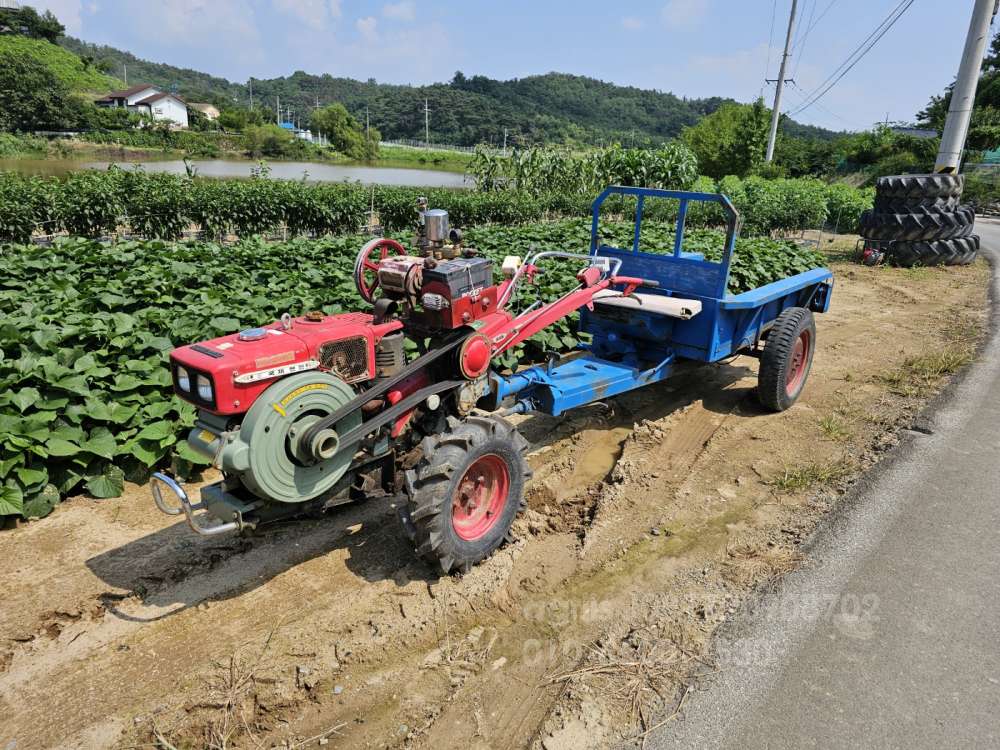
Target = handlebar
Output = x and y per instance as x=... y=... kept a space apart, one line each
x=609 y=267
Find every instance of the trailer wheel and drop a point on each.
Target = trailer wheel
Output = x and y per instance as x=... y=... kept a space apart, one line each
x=787 y=358
x=463 y=495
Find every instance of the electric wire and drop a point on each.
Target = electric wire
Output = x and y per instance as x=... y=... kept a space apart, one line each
x=813 y=24
x=802 y=94
x=803 y=38
x=770 y=39
x=855 y=57
x=861 y=50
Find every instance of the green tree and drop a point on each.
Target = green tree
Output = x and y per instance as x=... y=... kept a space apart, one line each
x=984 y=133
x=27 y=21
x=344 y=132
x=731 y=140
x=33 y=98
x=240 y=118
x=268 y=140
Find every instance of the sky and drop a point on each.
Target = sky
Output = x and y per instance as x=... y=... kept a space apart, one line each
x=693 y=48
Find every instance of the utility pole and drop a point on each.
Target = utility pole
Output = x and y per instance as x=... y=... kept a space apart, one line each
x=125 y=66
x=427 y=123
x=277 y=108
x=368 y=126
x=780 y=85
x=505 y=141
x=963 y=96
x=251 y=94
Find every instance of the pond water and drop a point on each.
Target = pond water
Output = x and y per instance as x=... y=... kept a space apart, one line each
x=286 y=170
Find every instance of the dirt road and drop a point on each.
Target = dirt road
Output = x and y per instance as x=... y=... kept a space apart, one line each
x=650 y=518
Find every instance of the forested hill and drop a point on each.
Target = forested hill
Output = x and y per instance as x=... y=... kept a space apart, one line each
x=551 y=108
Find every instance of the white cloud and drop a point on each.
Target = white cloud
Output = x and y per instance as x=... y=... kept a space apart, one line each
x=403 y=55
x=335 y=10
x=684 y=14
x=227 y=27
x=631 y=23
x=313 y=13
x=368 y=26
x=69 y=12
x=404 y=10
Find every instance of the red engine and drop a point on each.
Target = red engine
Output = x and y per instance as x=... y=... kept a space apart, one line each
x=226 y=375
x=439 y=294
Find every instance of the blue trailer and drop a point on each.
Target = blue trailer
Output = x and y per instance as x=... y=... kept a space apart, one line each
x=684 y=312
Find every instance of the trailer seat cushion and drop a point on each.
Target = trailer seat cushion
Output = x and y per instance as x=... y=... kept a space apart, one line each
x=658 y=304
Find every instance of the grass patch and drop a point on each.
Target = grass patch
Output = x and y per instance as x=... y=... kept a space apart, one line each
x=834 y=428
x=66 y=66
x=922 y=373
x=839 y=249
x=916 y=273
x=796 y=479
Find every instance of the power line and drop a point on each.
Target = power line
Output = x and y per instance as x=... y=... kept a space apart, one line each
x=803 y=39
x=801 y=27
x=861 y=49
x=770 y=39
x=802 y=94
x=779 y=87
x=815 y=23
x=855 y=57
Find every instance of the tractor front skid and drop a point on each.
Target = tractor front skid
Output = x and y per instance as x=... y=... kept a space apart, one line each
x=160 y=481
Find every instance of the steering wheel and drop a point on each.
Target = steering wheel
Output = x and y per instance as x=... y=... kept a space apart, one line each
x=381 y=248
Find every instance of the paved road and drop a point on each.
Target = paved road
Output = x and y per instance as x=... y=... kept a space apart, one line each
x=891 y=636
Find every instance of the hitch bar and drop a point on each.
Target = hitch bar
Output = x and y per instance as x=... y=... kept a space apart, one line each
x=160 y=480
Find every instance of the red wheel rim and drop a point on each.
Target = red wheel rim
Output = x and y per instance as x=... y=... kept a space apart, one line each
x=798 y=363
x=480 y=497
x=365 y=264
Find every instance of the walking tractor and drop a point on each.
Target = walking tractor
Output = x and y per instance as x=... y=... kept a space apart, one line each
x=313 y=411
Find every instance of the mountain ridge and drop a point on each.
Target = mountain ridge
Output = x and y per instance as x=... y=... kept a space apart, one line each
x=556 y=108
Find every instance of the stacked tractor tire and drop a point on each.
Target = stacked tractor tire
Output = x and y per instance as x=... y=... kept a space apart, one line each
x=919 y=220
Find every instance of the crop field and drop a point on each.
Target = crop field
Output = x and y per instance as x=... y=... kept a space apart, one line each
x=651 y=518
x=85 y=393
x=158 y=206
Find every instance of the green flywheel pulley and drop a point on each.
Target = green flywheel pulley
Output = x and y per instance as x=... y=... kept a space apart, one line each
x=268 y=454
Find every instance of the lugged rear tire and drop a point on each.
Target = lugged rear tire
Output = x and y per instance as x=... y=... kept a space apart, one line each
x=926 y=225
x=960 y=252
x=787 y=359
x=476 y=466
x=920 y=186
x=887 y=205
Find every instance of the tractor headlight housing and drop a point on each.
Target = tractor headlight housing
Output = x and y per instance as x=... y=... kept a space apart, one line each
x=183 y=380
x=192 y=385
x=206 y=392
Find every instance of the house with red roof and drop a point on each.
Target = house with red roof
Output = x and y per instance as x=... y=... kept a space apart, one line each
x=151 y=101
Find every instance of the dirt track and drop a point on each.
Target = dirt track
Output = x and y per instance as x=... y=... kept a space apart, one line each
x=650 y=518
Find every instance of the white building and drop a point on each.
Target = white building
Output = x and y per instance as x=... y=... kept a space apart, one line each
x=209 y=110
x=149 y=100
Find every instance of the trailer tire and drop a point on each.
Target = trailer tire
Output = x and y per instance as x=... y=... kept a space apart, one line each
x=787 y=359
x=920 y=186
x=465 y=492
